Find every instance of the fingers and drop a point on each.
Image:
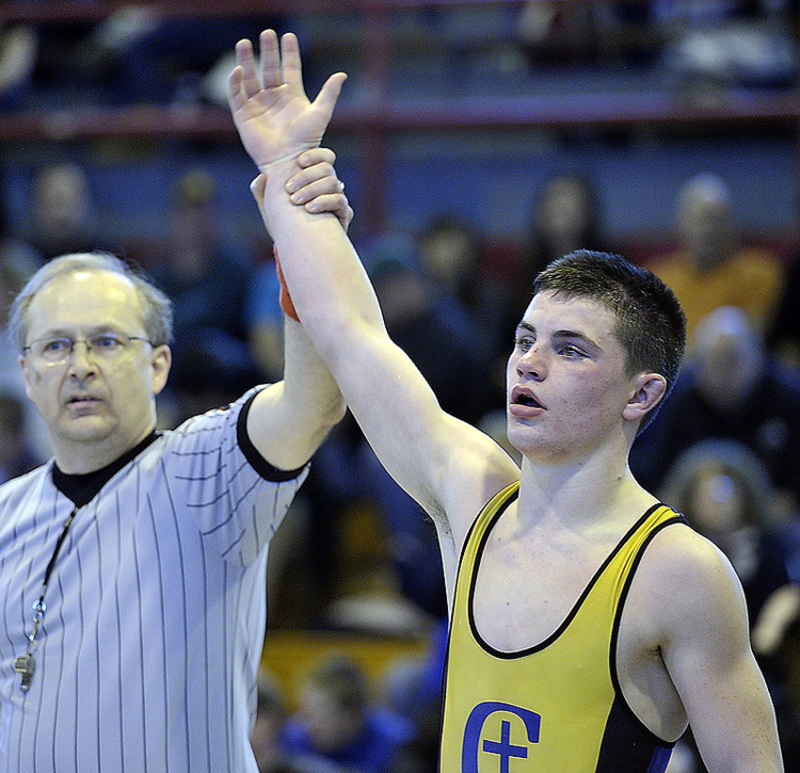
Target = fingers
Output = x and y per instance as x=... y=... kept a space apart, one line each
x=326 y=202
x=327 y=186
x=290 y=54
x=271 y=74
x=345 y=214
x=323 y=194
x=335 y=203
x=235 y=89
x=317 y=188
x=244 y=82
x=248 y=78
x=279 y=85
x=316 y=180
x=314 y=156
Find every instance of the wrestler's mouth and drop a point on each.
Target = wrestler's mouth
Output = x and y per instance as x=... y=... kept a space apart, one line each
x=524 y=397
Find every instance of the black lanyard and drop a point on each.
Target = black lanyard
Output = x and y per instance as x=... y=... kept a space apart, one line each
x=26 y=664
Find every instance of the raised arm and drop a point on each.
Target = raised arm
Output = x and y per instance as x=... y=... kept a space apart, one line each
x=416 y=441
x=289 y=419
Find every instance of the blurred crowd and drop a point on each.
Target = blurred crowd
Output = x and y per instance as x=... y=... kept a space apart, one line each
x=138 y=54
x=357 y=553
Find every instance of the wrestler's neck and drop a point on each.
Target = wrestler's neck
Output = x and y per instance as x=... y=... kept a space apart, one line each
x=579 y=496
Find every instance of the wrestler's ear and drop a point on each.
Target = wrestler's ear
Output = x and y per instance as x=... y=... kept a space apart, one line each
x=647 y=392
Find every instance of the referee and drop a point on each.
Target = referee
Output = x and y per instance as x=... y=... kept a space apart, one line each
x=133 y=564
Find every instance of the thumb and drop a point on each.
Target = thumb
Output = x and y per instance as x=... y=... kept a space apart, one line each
x=258 y=188
x=325 y=101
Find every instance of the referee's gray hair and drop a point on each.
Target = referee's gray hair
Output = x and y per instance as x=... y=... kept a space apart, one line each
x=156 y=306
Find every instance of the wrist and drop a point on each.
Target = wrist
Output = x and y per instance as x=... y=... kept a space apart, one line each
x=286 y=164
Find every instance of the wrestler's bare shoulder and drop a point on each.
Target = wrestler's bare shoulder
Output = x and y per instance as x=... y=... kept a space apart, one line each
x=680 y=574
x=680 y=553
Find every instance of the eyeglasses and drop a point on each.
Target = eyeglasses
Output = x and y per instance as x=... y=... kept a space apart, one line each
x=104 y=346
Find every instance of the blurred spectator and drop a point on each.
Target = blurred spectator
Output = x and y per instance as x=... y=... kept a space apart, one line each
x=566 y=217
x=419 y=318
x=410 y=535
x=714 y=45
x=559 y=32
x=712 y=268
x=731 y=387
x=725 y=493
x=413 y=688
x=13 y=275
x=339 y=720
x=334 y=551
x=421 y=755
x=264 y=320
x=453 y=255
x=68 y=69
x=207 y=280
x=63 y=213
x=271 y=716
x=589 y=33
x=18 y=258
x=268 y=725
x=137 y=54
x=17 y=456
x=776 y=638
x=18 y=49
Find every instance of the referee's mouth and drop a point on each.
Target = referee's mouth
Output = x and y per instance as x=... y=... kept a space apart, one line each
x=83 y=400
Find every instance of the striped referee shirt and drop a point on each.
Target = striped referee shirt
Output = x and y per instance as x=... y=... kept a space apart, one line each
x=147 y=655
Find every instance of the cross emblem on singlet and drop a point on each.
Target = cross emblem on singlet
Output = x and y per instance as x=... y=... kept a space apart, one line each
x=504 y=748
x=475 y=743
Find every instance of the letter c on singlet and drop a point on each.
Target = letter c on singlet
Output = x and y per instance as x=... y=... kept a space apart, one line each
x=503 y=747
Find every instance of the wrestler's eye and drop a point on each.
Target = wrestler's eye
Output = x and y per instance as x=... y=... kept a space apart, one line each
x=524 y=343
x=570 y=351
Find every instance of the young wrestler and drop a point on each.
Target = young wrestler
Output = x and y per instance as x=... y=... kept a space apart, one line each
x=589 y=624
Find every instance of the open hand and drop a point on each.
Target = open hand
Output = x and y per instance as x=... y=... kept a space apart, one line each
x=276 y=121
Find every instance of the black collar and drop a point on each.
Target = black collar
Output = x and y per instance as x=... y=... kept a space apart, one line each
x=82 y=488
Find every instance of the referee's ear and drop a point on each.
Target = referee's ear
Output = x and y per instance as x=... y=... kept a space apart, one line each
x=160 y=363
